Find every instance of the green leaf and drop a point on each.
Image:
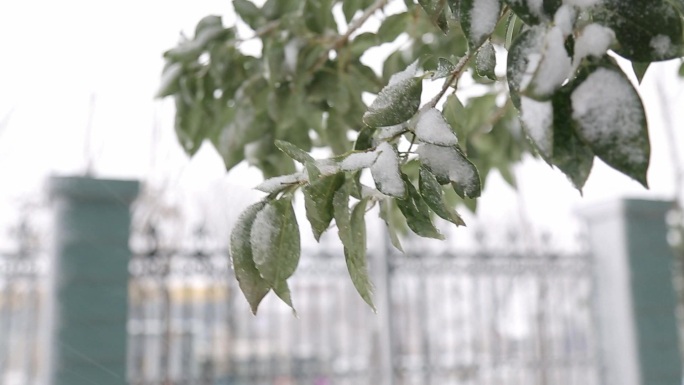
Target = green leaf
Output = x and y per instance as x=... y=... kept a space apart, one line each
x=417 y=212
x=640 y=70
x=294 y=152
x=448 y=164
x=485 y=61
x=386 y=211
x=534 y=11
x=647 y=30
x=349 y=8
x=455 y=114
x=169 y=82
x=248 y=12
x=398 y=101
x=393 y=26
x=570 y=154
x=435 y=10
x=479 y=19
x=610 y=118
x=355 y=253
x=208 y=29
x=681 y=70
x=318 y=200
x=431 y=191
x=444 y=68
x=317 y=15
x=251 y=284
x=276 y=245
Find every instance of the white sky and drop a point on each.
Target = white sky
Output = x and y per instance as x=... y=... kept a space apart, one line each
x=61 y=58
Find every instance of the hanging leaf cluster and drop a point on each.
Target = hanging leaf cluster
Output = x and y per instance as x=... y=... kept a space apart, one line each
x=561 y=97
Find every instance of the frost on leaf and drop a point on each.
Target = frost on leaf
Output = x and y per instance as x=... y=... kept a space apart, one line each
x=478 y=19
x=448 y=164
x=385 y=171
x=433 y=128
x=318 y=200
x=485 y=62
x=276 y=245
x=610 y=118
x=251 y=284
x=537 y=119
x=398 y=101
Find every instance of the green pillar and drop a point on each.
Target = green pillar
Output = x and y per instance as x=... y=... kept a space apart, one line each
x=90 y=280
x=635 y=293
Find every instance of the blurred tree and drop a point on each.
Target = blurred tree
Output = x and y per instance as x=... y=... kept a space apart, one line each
x=562 y=97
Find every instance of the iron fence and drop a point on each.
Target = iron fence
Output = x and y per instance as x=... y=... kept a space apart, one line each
x=481 y=317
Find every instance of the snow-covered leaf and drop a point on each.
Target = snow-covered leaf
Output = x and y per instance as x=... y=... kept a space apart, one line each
x=431 y=191
x=448 y=164
x=534 y=11
x=276 y=245
x=433 y=128
x=537 y=119
x=478 y=19
x=523 y=54
x=385 y=171
x=398 y=101
x=570 y=154
x=485 y=62
x=318 y=200
x=610 y=118
x=300 y=156
x=646 y=30
x=417 y=212
x=253 y=287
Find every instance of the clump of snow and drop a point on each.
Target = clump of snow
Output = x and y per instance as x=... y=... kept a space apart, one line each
x=554 y=65
x=565 y=19
x=582 y=3
x=536 y=8
x=433 y=128
x=483 y=18
x=609 y=111
x=661 y=45
x=385 y=171
x=533 y=60
x=358 y=160
x=446 y=162
x=384 y=133
x=537 y=119
x=594 y=40
x=278 y=183
x=408 y=73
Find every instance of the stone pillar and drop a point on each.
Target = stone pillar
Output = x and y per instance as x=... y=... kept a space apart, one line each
x=635 y=294
x=89 y=280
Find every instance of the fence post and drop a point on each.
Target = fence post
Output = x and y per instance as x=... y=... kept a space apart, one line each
x=89 y=280
x=635 y=294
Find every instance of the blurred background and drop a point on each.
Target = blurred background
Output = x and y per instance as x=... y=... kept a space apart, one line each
x=544 y=286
